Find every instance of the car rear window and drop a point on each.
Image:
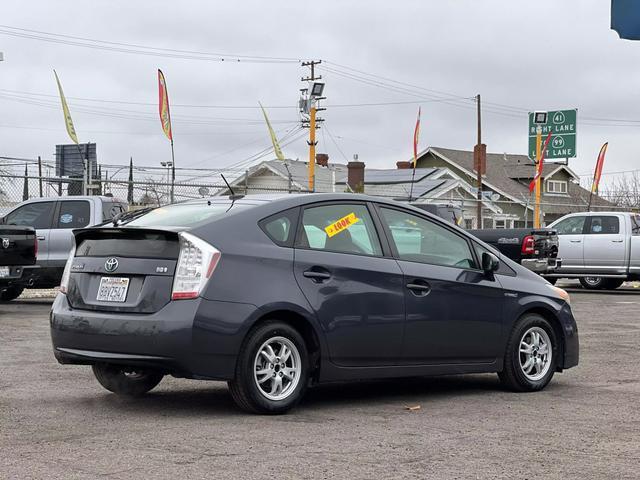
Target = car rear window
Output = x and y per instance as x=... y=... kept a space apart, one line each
x=130 y=244
x=184 y=215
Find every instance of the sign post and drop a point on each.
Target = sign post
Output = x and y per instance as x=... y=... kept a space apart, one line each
x=536 y=213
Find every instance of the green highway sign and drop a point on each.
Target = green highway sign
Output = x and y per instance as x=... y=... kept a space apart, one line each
x=562 y=125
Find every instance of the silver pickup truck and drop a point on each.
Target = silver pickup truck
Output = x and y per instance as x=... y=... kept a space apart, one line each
x=53 y=219
x=601 y=249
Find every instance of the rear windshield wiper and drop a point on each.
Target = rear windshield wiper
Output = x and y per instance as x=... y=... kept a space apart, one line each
x=130 y=216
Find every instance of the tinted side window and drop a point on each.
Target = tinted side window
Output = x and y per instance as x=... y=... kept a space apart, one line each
x=604 y=225
x=420 y=240
x=570 y=226
x=110 y=210
x=503 y=269
x=73 y=214
x=37 y=215
x=280 y=227
x=344 y=228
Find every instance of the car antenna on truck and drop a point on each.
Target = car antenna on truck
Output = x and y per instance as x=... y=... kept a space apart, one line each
x=233 y=196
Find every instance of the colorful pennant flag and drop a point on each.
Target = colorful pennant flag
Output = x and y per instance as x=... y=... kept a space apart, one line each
x=272 y=134
x=540 y=165
x=416 y=135
x=163 y=104
x=599 y=164
x=67 y=116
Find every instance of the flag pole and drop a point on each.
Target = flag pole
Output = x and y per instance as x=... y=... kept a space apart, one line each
x=173 y=171
x=413 y=176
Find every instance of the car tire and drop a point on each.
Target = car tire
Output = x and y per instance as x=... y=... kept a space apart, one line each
x=10 y=293
x=126 y=381
x=270 y=379
x=540 y=347
x=593 y=283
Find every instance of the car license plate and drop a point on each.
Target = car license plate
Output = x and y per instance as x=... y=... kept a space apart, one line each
x=4 y=272
x=113 y=289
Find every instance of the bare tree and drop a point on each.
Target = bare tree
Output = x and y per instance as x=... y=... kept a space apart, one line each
x=624 y=191
x=155 y=193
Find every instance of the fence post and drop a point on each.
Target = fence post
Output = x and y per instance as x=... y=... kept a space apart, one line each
x=40 y=174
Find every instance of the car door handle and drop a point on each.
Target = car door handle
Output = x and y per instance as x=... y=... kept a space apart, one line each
x=617 y=241
x=575 y=241
x=317 y=276
x=41 y=237
x=419 y=288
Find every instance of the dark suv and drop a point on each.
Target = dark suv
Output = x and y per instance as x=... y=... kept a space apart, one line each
x=273 y=294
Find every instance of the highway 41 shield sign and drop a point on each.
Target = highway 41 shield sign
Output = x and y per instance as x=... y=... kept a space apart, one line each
x=562 y=125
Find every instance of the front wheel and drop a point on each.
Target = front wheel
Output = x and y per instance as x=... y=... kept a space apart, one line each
x=530 y=358
x=272 y=370
x=127 y=381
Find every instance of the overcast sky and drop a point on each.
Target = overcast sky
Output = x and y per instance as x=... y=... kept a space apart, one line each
x=554 y=55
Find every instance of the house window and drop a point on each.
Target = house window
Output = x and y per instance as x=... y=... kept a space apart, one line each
x=500 y=224
x=468 y=223
x=557 y=186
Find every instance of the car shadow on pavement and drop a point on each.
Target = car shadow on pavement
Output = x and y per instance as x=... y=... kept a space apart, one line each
x=626 y=291
x=401 y=389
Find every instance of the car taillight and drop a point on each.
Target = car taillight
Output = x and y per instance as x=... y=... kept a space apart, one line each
x=35 y=247
x=196 y=263
x=528 y=245
x=64 y=283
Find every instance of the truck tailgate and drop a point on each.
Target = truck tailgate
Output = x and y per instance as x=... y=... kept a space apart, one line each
x=17 y=245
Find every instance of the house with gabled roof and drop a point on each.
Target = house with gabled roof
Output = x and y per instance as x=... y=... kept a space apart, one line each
x=506 y=186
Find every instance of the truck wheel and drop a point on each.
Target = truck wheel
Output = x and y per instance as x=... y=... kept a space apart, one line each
x=10 y=293
x=593 y=283
x=272 y=370
x=128 y=381
x=530 y=357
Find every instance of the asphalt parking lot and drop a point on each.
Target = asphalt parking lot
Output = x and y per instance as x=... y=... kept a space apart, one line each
x=57 y=422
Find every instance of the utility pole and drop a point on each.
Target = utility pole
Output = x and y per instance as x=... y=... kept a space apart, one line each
x=480 y=163
x=310 y=107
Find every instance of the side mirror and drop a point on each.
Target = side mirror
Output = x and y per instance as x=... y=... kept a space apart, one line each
x=490 y=263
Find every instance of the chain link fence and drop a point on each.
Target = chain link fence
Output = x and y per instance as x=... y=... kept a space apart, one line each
x=151 y=186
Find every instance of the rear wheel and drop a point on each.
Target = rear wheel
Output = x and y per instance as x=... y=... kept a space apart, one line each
x=127 y=381
x=10 y=293
x=530 y=358
x=593 y=283
x=272 y=370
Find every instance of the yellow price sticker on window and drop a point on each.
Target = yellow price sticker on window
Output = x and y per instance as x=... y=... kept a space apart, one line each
x=341 y=224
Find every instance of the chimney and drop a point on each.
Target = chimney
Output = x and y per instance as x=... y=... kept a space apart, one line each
x=322 y=159
x=403 y=165
x=355 y=176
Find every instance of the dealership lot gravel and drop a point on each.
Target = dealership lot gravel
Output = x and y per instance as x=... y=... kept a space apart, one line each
x=57 y=422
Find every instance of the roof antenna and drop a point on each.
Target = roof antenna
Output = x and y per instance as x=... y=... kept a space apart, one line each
x=233 y=196
x=228 y=186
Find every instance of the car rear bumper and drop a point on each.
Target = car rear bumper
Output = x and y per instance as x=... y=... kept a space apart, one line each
x=190 y=338
x=541 y=265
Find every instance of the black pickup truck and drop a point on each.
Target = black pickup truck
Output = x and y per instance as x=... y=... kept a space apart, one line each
x=18 y=248
x=536 y=249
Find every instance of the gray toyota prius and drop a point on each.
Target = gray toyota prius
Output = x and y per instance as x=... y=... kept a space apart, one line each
x=274 y=294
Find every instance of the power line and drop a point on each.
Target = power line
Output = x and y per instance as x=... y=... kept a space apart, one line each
x=131 y=48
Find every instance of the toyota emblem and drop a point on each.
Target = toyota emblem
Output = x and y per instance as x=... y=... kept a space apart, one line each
x=111 y=265
x=5 y=243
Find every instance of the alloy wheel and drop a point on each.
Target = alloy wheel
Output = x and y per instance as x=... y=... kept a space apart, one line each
x=535 y=353
x=277 y=368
